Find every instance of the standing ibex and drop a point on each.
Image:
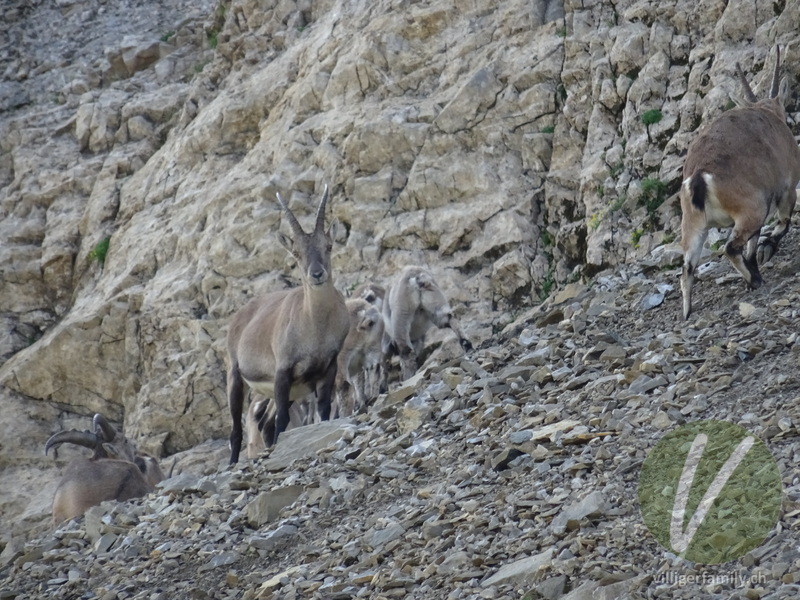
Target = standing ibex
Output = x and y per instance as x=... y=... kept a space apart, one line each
x=360 y=355
x=116 y=470
x=414 y=302
x=738 y=171
x=284 y=345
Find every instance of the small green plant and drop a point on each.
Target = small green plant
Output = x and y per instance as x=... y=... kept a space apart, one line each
x=561 y=32
x=212 y=39
x=99 y=252
x=198 y=68
x=717 y=246
x=654 y=192
x=216 y=27
x=651 y=117
x=595 y=220
x=548 y=129
x=729 y=105
x=547 y=286
x=636 y=235
x=617 y=204
x=669 y=237
x=615 y=170
x=167 y=36
x=547 y=239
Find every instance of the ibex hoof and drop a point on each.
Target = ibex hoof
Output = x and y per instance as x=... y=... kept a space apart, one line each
x=766 y=250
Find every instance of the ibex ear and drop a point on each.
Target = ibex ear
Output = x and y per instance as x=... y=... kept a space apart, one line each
x=332 y=229
x=286 y=242
x=783 y=92
x=111 y=450
x=740 y=100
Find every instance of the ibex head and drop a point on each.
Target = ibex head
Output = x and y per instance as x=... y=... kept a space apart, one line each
x=103 y=440
x=312 y=250
x=431 y=299
x=779 y=90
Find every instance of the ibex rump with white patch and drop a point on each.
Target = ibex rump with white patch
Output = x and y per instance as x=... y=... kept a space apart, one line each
x=740 y=169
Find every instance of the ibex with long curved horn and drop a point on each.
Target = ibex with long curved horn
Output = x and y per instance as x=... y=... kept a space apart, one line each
x=116 y=470
x=284 y=345
x=739 y=170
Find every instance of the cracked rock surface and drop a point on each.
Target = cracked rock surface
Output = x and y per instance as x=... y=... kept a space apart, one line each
x=503 y=145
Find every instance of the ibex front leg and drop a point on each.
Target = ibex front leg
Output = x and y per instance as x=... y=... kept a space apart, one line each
x=283 y=386
x=325 y=391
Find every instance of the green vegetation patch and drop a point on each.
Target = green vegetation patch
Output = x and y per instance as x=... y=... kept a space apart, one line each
x=99 y=252
x=651 y=117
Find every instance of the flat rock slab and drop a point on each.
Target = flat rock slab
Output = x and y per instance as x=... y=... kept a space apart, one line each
x=520 y=571
x=306 y=441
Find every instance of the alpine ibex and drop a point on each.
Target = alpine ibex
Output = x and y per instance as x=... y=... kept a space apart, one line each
x=413 y=304
x=372 y=293
x=116 y=470
x=284 y=345
x=360 y=355
x=743 y=167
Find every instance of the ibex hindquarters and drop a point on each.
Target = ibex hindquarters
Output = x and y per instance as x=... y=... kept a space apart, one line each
x=740 y=170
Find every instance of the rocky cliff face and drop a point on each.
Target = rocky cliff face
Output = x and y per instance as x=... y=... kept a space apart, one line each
x=508 y=147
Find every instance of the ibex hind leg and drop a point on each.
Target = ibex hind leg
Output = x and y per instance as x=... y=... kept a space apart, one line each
x=741 y=253
x=768 y=245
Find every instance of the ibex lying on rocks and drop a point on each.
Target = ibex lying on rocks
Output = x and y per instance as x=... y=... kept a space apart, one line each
x=116 y=471
x=360 y=355
x=284 y=345
x=413 y=304
x=738 y=171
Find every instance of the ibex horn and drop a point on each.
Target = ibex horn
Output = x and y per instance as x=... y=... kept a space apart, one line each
x=295 y=225
x=81 y=438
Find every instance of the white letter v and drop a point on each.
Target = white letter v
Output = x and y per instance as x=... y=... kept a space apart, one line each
x=680 y=539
